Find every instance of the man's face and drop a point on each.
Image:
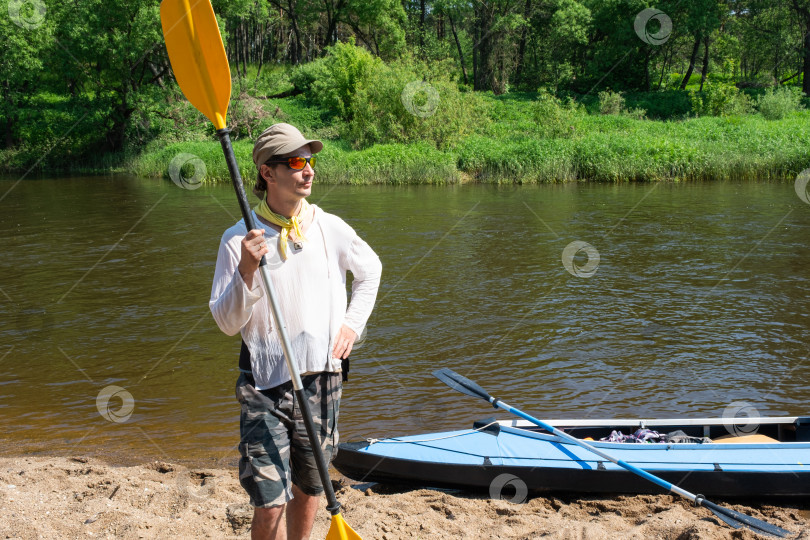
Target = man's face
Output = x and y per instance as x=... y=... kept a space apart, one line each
x=287 y=183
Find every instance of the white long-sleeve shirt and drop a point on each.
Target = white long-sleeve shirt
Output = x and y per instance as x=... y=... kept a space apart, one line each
x=311 y=290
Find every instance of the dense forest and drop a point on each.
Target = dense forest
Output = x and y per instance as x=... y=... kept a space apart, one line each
x=503 y=45
x=87 y=78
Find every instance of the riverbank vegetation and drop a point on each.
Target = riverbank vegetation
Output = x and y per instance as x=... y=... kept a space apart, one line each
x=427 y=92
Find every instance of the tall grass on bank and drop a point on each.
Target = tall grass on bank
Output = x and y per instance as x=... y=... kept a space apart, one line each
x=418 y=163
x=606 y=148
x=154 y=162
x=521 y=161
x=616 y=148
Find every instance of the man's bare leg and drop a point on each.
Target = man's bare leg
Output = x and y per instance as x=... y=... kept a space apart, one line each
x=301 y=514
x=268 y=524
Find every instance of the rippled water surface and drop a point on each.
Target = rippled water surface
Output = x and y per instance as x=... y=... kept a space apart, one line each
x=699 y=300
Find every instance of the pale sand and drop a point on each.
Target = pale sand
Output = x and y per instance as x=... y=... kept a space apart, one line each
x=56 y=497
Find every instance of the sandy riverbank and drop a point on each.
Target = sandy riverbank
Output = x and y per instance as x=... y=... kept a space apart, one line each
x=56 y=497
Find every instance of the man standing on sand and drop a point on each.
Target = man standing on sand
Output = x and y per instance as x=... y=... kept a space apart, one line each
x=309 y=252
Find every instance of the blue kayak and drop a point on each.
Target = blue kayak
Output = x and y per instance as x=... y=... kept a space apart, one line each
x=771 y=458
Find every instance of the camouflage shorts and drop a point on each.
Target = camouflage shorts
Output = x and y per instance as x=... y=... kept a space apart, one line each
x=274 y=446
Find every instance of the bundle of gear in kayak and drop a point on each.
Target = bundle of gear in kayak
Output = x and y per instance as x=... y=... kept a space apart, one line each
x=649 y=436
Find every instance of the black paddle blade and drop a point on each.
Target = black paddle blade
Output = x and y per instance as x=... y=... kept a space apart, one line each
x=737 y=520
x=462 y=384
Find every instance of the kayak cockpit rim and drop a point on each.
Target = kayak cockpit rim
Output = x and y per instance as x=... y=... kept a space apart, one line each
x=782 y=428
x=643 y=422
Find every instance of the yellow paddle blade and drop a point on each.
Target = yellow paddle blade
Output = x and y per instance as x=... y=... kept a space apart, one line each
x=340 y=530
x=197 y=56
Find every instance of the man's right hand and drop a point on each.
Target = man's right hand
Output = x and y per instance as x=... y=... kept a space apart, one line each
x=254 y=246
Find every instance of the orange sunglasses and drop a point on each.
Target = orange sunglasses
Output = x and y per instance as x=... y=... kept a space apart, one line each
x=296 y=162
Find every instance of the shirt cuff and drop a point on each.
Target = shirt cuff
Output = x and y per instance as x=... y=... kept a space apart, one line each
x=251 y=296
x=354 y=328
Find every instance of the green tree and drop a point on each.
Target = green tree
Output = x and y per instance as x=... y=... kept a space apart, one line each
x=379 y=25
x=248 y=32
x=570 y=29
x=21 y=69
x=110 y=54
x=802 y=10
x=615 y=57
x=701 y=18
x=496 y=28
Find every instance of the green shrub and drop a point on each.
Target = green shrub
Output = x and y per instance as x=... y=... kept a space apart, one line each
x=638 y=114
x=777 y=104
x=613 y=103
x=332 y=81
x=408 y=101
x=610 y=102
x=305 y=75
x=718 y=99
x=553 y=117
x=405 y=101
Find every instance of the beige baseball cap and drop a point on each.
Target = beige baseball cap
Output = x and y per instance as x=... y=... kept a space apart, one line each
x=280 y=139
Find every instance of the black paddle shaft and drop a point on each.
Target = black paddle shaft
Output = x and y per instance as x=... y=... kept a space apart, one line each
x=303 y=403
x=320 y=460
x=236 y=180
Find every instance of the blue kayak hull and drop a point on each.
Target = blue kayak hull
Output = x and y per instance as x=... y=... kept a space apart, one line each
x=473 y=459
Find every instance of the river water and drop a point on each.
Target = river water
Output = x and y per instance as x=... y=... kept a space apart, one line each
x=578 y=300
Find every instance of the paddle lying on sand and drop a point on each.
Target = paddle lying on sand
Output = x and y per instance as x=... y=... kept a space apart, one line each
x=731 y=517
x=201 y=68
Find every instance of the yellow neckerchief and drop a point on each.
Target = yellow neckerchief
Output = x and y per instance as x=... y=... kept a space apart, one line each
x=294 y=223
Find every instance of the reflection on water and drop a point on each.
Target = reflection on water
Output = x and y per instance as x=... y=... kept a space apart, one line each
x=699 y=299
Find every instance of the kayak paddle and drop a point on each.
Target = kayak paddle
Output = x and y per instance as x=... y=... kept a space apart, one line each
x=201 y=68
x=731 y=517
